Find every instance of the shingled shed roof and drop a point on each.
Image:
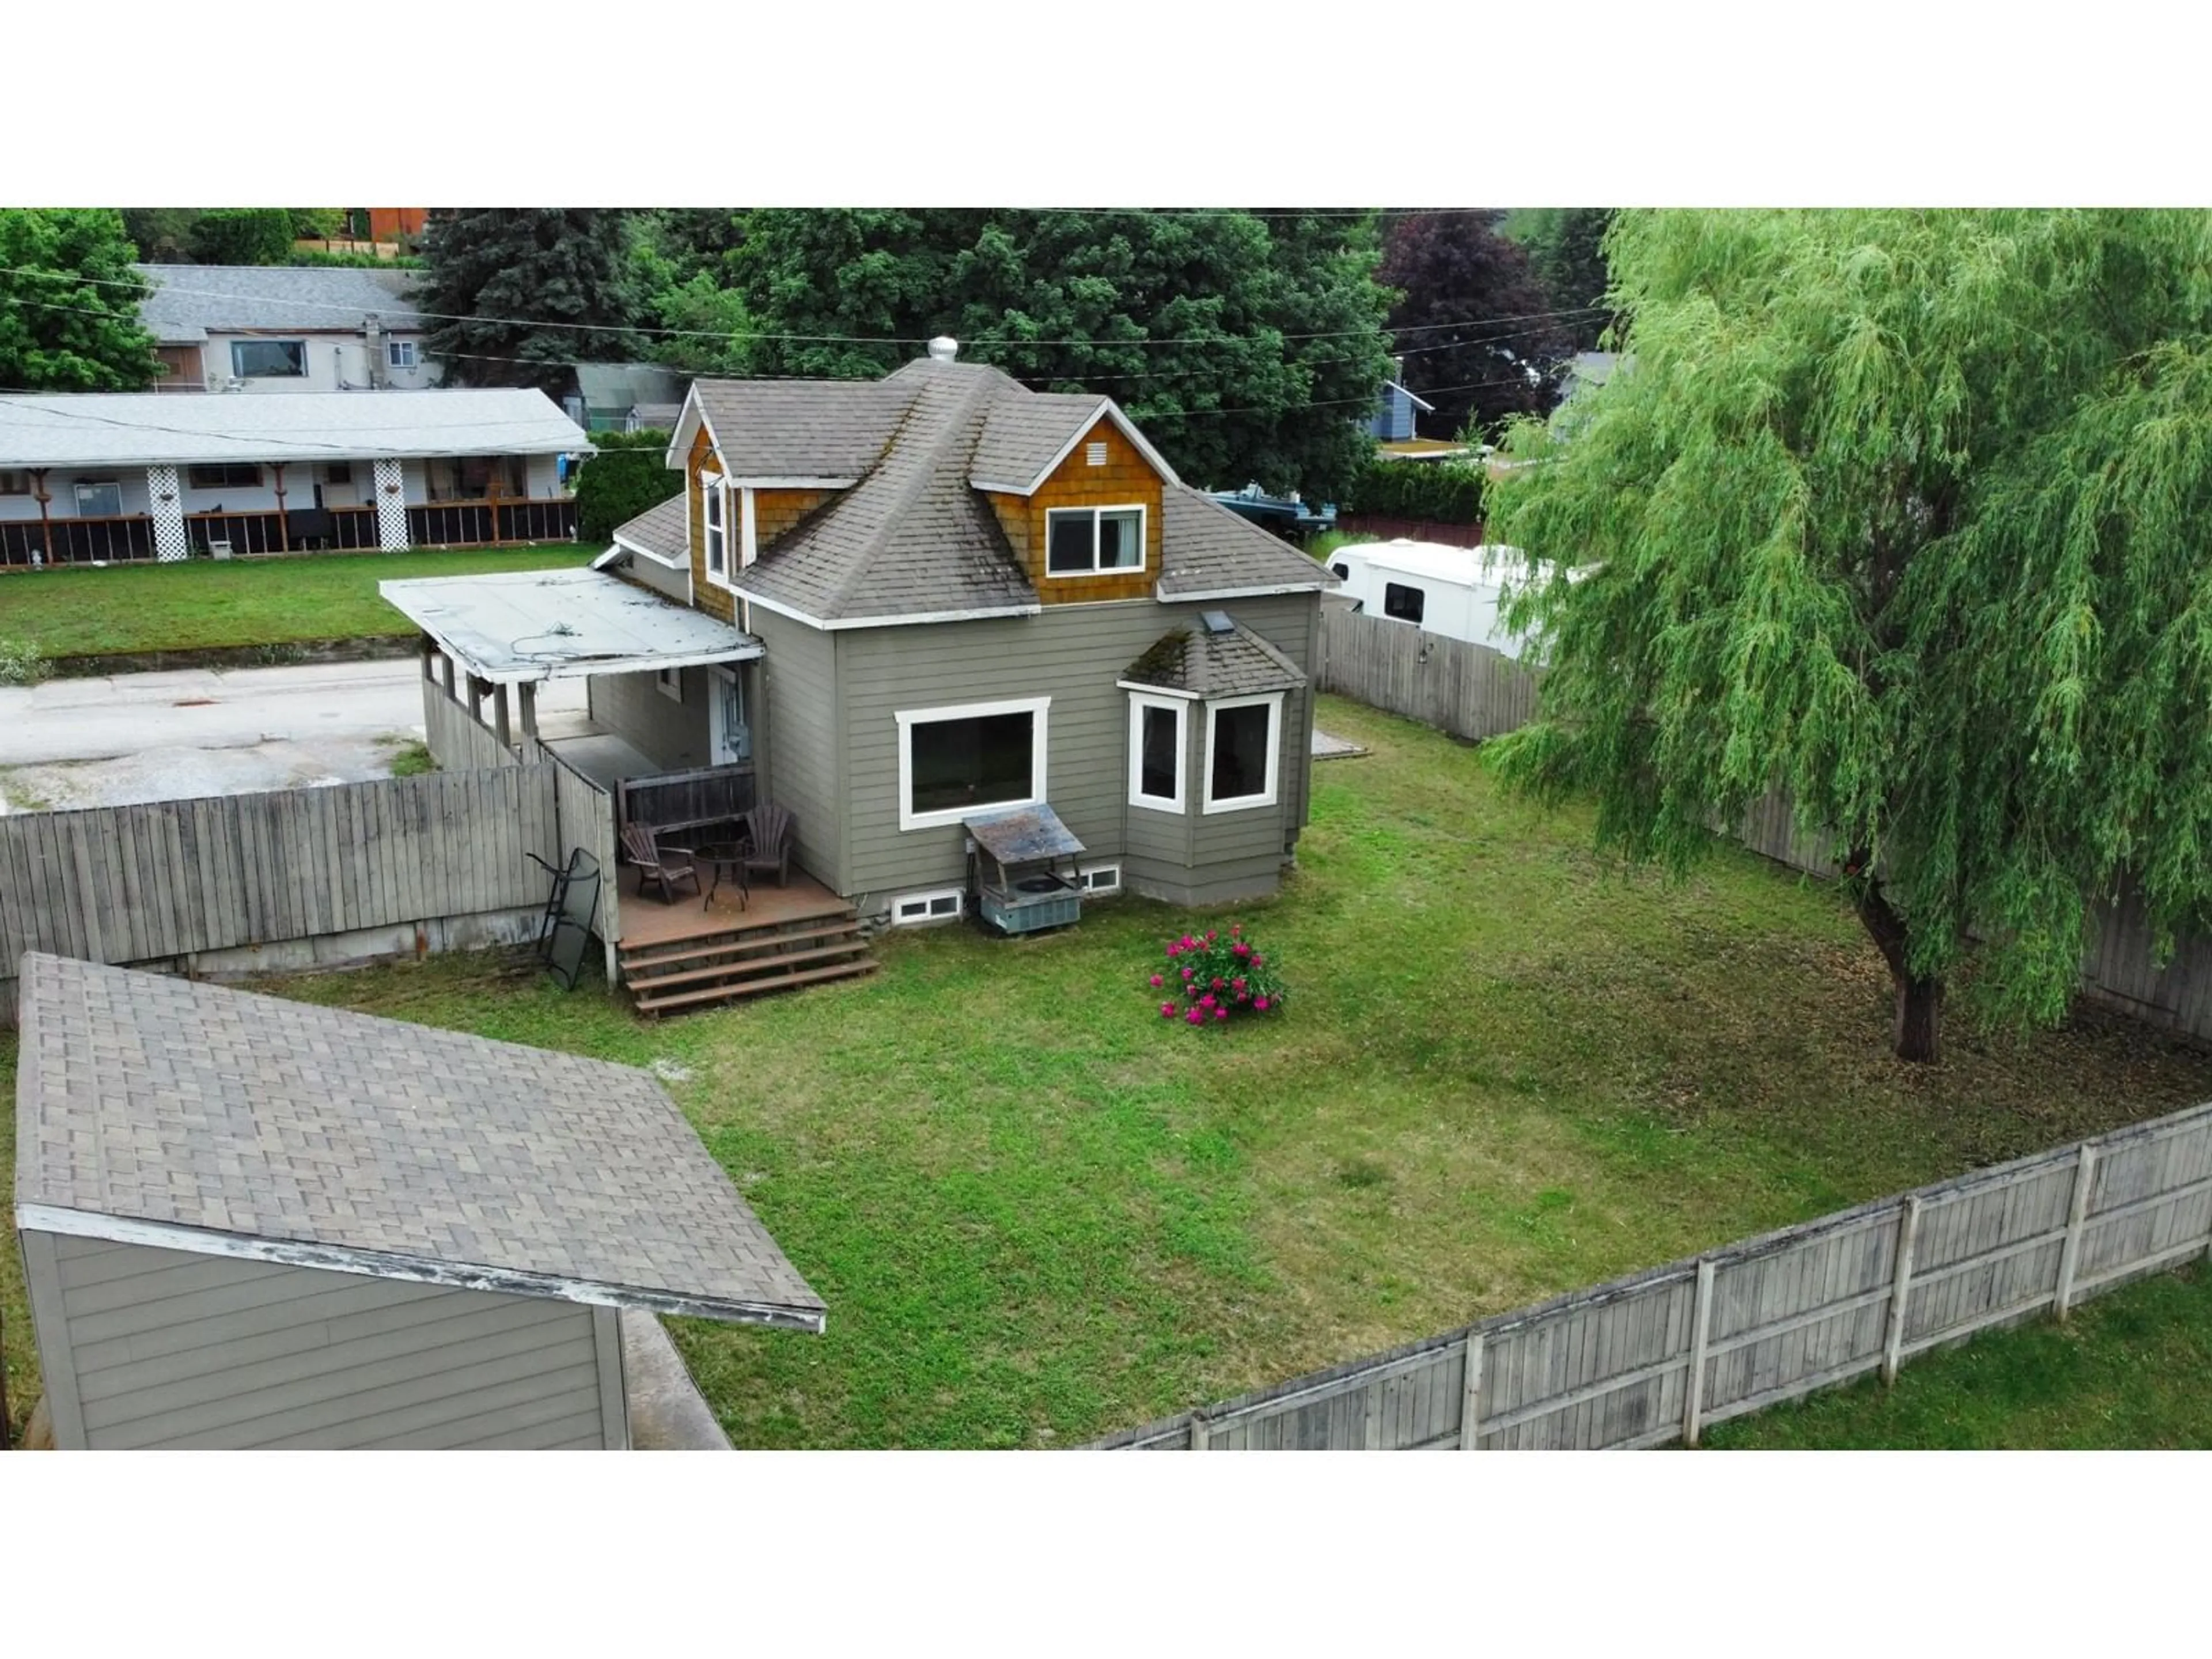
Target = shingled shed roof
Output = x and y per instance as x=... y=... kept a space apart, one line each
x=1205 y=664
x=152 y=1110
x=664 y=531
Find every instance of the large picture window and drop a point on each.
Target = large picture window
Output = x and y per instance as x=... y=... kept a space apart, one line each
x=953 y=761
x=1083 y=541
x=1156 y=751
x=269 y=360
x=1243 y=742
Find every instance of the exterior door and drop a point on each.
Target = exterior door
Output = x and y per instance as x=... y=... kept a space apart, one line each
x=730 y=741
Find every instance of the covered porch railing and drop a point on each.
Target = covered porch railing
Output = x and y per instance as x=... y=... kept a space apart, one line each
x=681 y=800
x=490 y=523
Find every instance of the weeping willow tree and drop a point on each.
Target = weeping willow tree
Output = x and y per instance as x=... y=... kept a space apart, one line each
x=1909 y=515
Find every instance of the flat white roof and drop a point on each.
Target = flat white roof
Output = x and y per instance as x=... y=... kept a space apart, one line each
x=516 y=625
x=133 y=429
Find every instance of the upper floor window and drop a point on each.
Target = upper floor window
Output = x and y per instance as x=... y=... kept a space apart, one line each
x=269 y=360
x=224 y=474
x=1081 y=541
x=402 y=353
x=712 y=493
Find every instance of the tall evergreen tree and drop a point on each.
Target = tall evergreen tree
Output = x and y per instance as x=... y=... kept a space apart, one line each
x=1249 y=346
x=1470 y=322
x=1567 y=247
x=521 y=292
x=1903 y=513
x=68 y=303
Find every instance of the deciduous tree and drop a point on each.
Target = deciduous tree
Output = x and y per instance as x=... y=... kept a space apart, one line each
x=1471 y=322
x=1902 y=512
x=68 y=303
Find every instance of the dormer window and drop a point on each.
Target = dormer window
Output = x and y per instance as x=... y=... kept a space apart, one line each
x=1085 y=541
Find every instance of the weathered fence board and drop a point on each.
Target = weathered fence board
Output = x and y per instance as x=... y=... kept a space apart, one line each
x=1631 y=1364
x=169 y=881
x=1458 y=686
x=586 y=813
x=458 y=740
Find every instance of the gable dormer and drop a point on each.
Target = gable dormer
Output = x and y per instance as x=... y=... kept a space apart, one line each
x=1078 y=492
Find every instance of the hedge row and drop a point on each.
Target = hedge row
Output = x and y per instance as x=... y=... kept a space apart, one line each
x=1443 y=492
x=629 y=474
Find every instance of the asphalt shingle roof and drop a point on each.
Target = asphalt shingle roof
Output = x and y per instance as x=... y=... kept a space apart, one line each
x=801 y=428
x=1238 y=664
x=665 y=529
x=188 y=301
x=1210 y=550
x=1022 y=434
x=912 y=537
x=915 y=535
x=376 y=1146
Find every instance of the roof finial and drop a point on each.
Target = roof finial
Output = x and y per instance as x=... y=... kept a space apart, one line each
x=944 y=349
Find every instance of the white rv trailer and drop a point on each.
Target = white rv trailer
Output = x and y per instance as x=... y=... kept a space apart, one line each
x=1456 y=591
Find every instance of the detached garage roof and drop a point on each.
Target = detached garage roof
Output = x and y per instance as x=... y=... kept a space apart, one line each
x=142 y=428
x=152 y=1110
x=188 y=302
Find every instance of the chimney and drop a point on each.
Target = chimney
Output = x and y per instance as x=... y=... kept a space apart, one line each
x=944 y=349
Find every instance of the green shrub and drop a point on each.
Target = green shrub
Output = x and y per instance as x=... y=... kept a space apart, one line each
x=241 y=236
x=21 y=663
x=1441 y=492
x=629 y=475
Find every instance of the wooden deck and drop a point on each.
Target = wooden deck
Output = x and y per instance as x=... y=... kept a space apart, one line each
x=679 y=957
x=647 y=922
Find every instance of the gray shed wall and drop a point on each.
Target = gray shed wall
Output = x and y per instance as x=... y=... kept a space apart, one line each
x=674 y=583
x=143 y=1346
x=1075 y=654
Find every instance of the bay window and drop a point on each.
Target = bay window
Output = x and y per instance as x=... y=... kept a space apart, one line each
x=1243 y=746
x=1156 y=747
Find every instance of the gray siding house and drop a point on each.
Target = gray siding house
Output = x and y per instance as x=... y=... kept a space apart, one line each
x=252 y=1222
x=970 y=596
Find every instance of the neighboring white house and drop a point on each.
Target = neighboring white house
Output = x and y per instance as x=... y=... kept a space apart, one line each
x=91 y=477
x=1456 y=591
x=286 y=328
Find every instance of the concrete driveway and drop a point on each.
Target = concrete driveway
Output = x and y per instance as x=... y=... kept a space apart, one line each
x=199 y=732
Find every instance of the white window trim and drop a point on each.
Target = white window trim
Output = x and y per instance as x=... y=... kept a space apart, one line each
x=1273 y=700
x=402 y=353
x=925 y=900
x=714 y=521
x=1144 y=545
x=1039 y=708
x=1090 y=870
x=662 y=678
x=748 y=549
x=1180 y=707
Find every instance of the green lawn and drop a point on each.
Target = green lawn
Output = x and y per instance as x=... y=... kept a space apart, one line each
x=188 y=606
x=2125 y=1374
x=1039 y=1212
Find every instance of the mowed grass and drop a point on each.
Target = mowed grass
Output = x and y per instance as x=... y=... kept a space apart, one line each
x=2125 y=1373
x=1039 y=1212
x=205 y=603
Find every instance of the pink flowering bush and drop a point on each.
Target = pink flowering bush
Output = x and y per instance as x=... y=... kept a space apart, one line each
x=1215 y=976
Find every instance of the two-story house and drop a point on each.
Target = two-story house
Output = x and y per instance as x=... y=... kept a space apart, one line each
x=285 y=328
x=901 y=609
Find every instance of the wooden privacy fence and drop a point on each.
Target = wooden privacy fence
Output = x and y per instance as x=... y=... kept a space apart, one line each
x=1455 y=685
x=1660 y=1356
x=171 y=880
x=457 y=739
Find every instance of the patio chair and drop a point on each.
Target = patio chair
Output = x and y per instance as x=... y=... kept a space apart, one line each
x=657 y=865
x=768 y=834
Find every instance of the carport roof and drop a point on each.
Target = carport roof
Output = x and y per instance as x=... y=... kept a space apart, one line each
x=159 y=1111
x=516 y=625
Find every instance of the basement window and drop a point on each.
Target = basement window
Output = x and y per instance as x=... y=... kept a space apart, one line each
x=1082 y=541
x=1101 y=878
x=913 y=909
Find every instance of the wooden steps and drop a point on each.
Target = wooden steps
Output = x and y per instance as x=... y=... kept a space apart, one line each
x=739 y=959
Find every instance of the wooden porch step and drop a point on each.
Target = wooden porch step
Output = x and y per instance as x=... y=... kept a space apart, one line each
x=736 y=940
x=648 y=1004
x=653 y=982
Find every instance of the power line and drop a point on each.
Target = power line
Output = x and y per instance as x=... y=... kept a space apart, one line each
x=728 y=336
